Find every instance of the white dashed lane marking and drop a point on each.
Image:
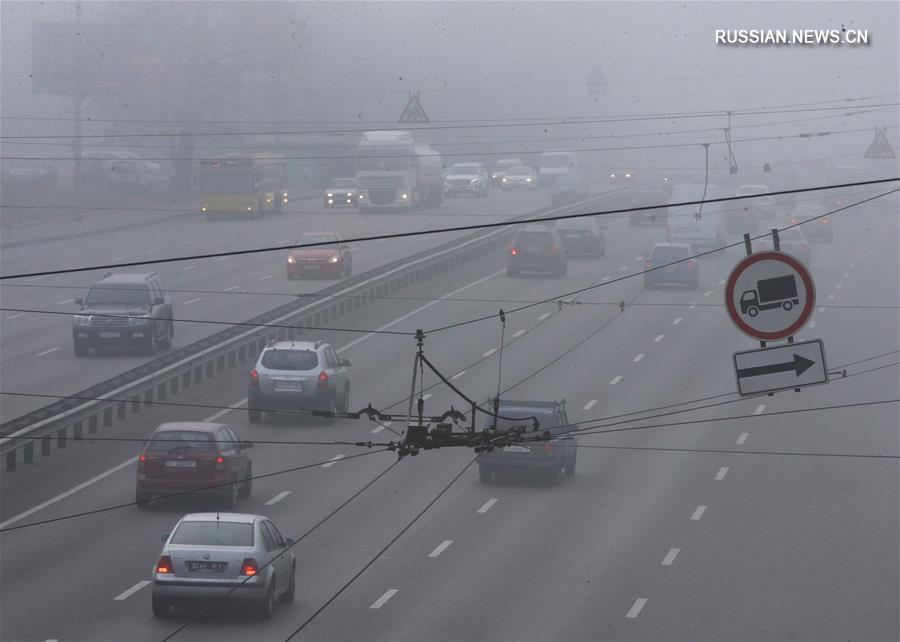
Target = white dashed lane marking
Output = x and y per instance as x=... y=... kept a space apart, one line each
x=381 y=601
x=831 y=297
x=278 y=498
x=222 y=258
x=670 y=556
x=759 y=409
x=606 y=278
x=615 y=380
x=152 y=250
x=623 y=268
x=590 y=404
x=124 y=595
x=458 y=374
x=443 y=546
x=65 y=302
x=638 y=358
x=676 y=321
x=698 y=512
x=722 y=472
x=116 y=258
x=489 y=352
x=16 y=316
x=722 y=282
x=742 y=439
x=839 y=285
x=638 y=258
x=845 y=275
x=231 y=289
x=188 y=267
x=427 y=396
x=191 y=301
x=543 y=316
x=487 y=505
x=635 y=609
x=380 y=427
x=659 y=338
x=692 y=306
x=331 y=462
x=45 y=352
x=811 y=324
x=707 y=293
x=266 y=277
x=518 y=334
x=822 y=309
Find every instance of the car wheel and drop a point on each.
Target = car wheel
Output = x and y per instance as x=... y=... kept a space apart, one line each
x=554 y=475
x=485 y=474
x=345 y=400
x=247 y=486
x=81 y=350
x=288 y=596
x=266 y=606
x=160 y=607
x=254 y=415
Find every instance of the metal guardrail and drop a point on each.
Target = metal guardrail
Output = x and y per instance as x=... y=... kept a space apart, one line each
x=156 y=380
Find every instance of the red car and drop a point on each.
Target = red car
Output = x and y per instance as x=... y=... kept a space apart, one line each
x=193 y=456
x=329 y=256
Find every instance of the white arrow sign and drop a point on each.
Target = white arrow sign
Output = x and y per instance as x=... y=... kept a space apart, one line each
x=784 y=367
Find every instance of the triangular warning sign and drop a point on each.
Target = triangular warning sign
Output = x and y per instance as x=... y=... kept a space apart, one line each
x=414 y=113
x=597 y=83
x=880 y=147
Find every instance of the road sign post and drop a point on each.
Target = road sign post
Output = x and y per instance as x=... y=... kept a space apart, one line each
x=785 y=367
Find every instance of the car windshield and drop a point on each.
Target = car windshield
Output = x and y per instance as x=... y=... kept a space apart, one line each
x=213 y=533
x=519 y=170
x=534 y=238
x=344 y=183
x=125 y=294
x=180 y=441
x=464 y=170
x=584 y=223
x=320 y=241
x=503 y=165
x=668 y=254
x=281 y=359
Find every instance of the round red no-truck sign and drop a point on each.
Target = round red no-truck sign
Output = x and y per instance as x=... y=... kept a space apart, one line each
x=770 y=295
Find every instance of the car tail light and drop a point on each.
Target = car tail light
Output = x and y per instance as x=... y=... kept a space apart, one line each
x=254 y=378
x=826 y=221
x=249 y=567
x=548 y=448
x=220 y=462
x=690 y=265
x=794 y=221
x=648 y=264
x=513 y=251
x=164 y=565
x=323 y=381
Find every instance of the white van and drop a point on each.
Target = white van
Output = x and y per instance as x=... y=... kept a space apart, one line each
x=683 y=224
x=554 y=165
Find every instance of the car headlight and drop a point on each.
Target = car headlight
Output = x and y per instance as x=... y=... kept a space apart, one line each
x=334 y=259
x=360 y=196
x=329 y=195
x=291 y=259
x=527 y=180
x=82 y=319
x=474 y=180
x=203 y=208
x=494 y=175
x=504 y=179
x=404 y=196
x=137 y=321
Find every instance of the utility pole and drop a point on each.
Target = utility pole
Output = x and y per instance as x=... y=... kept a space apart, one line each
x=77 y=98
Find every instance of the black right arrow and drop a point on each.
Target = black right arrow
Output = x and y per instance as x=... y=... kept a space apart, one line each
x=799 y=365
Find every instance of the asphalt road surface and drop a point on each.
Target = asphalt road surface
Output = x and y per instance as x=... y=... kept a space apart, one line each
x=657 y=536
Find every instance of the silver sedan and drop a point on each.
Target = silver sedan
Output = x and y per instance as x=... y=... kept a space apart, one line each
x=209 y=556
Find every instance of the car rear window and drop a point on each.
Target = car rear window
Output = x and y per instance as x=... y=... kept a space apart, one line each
x=545 y=419
x=668 y=254
x=534 y=238
x=213 y=533
x=290 y=359
x=180 y=441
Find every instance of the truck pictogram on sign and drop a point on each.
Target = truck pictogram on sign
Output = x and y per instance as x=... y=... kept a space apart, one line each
x=777 y=292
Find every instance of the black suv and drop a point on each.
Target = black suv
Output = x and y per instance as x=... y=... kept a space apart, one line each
x=124 y=310
x=537 y=248
x=547 y=458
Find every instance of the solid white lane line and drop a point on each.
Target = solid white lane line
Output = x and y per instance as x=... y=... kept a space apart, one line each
x=707 y=293
x=190 y=301
x=638 y=357
x=670 y=556
x=839 y=285
x=759 y=409
x=636 y=607
x=658 y=338
x=590 y=404
x=487 y=505
x=615 y=380
x=41 y=354
x=543 y=316
x=377 y=429
x=388 y=594
x=676 y=321
x=52 y=640
x=698 y=512
x=722 y=472
x=225 y=411
x=278 y=498
x=65 y=302
x=16 y=316
x=71 y=491
x=231 y=289
x=623 y=268
x=742 y=439
x=811 y=324
x=331 y=462
x=443 y=546
x=518 y=333
x=489 y=352
x=458 y=374
x=124 y=595
x=831 y=297
x=263 y=278
x=188 y=267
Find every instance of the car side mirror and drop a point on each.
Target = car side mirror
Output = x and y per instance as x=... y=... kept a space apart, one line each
x=159 y=300
x=346 y=363
x=290 y=541
x=246 y=444
x=165 y=536
x=79 y=301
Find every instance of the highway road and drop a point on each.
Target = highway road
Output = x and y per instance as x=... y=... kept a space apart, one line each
x=737 y=523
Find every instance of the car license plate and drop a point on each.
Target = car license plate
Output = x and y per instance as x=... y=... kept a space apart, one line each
x=312 y=268
x=181 y=463
x=516 y=449
x=533 y=249
x=110 y=335
x=206 y=567
x=288 y=385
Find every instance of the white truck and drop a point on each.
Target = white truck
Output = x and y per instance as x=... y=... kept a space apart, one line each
x=554 y=164
x=689 y=224
x=393 y=171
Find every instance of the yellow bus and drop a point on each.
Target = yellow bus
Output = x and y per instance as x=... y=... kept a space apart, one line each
x=244 y=184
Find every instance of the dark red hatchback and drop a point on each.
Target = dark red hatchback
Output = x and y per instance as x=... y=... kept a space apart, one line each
x=194 y=456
